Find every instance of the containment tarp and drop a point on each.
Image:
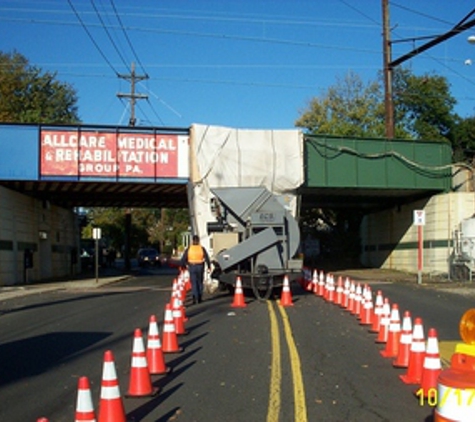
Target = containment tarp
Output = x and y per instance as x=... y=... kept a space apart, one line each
x=227 y=157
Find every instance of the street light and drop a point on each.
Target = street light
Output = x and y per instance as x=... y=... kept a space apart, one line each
x=471 y=39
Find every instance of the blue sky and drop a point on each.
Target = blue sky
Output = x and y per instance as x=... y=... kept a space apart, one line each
x=243 y=64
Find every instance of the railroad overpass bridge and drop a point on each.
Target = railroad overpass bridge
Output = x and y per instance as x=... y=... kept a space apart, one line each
x=44 y=166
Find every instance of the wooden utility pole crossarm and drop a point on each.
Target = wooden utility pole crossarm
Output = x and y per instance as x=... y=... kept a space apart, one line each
x=133 y=96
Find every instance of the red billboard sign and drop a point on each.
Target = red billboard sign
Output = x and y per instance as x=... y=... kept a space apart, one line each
x=110 y=154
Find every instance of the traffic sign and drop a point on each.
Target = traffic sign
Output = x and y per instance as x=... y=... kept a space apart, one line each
x=419 y=218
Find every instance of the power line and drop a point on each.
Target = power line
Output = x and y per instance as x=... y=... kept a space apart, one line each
x=92 y=38
x=127 y=37
x=108 y=34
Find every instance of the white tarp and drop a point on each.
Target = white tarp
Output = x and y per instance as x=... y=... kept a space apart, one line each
x=226 y=157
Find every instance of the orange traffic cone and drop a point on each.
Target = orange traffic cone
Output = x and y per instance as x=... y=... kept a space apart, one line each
x=170 y=339
x=155 y=358
x=238 y=301
x=378 y=310
x=286 y=296
x=363 y=298
x=315 y=283
x=187 y=280
x=416 y=355
x=405 y=340
x=357 y=301
x=339 y=291
x=321 y=284
x=177 y=312
x=111 y=406
x=431 y=367
x=346 y=292
x=367 y=311
x=84 y=407
x=394 y=333
x=384 y=325
x=42 y=420
x=330 y=288
x=312 y=285
x=351 y=297
x=140 y=384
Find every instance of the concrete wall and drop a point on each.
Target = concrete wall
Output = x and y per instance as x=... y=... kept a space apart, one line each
x=389 y=238
x=51 y=232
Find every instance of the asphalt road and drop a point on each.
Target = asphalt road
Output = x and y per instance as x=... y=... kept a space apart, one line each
x=308 y=362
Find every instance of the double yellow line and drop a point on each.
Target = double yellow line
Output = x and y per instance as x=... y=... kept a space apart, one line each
x=300 y=407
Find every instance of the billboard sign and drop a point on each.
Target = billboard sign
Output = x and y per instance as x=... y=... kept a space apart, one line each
x=113 y=154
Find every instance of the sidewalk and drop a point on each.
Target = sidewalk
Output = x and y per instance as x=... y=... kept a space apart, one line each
x=81 y=281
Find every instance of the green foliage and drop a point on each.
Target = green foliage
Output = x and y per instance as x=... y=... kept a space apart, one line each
x=349 y=108
x=463 y=142
x=423 y=108
x=28 y=95
x=424 y=105
x=160 y=228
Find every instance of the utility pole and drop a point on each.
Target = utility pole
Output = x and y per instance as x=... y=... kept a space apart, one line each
x=388 y=73
x=133 y=96
x=389 y=64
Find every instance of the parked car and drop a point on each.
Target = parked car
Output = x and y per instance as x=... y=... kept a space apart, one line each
x=148 y=256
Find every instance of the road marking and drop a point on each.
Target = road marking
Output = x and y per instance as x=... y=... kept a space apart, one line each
x=300 y=407
x=274 y=396
x=299 y=390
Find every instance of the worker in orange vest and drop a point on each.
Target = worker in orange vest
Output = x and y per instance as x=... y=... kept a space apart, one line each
x=194 y=258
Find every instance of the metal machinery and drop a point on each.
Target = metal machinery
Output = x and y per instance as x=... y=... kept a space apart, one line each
x=462 y=263
x=254 y=237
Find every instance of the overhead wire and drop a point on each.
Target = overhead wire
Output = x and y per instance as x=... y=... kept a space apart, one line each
x=114 y=45
x=127 y=37
x=92 y=38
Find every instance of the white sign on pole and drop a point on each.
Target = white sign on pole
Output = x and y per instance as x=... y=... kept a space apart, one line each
x=96 y=233
x=419 y=218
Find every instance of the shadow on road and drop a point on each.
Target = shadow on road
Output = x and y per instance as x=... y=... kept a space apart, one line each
x=36 y=355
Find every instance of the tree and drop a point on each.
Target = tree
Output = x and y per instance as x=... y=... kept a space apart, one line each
x=160 y=228
x=463 y=142
x=167 y=230
x=349 y=108
x=424 y=107
x=29 y=95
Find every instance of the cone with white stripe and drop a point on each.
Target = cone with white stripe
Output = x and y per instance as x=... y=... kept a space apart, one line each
x=84 y=407
x=367 y=309
x=351 y=297
x=346 y=293
x=416 y=355
x=402 y=360
x=321 y=284
x=286 y=296
x=140 y=383
x=432 y=365
x=238 y=301
x=384 y=325
x=394 y=333
x=177 y=312
x=170 y=339
x=111 y=406
x=339 y=291
x=155 y=358
x=357 y=301
x=312 y=285
x=378 y=311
